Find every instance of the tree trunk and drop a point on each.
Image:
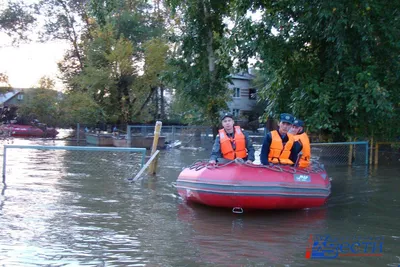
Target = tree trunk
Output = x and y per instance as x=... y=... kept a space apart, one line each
x=162 y=100
x=210 y=50
x=156 y=101
x=211 y=57
x=215 y=131
x=152 y=90
x=73 y=36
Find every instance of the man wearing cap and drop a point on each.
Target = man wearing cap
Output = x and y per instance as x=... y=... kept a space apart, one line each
x=231 y=142
x=278 y=146
x=301 y=137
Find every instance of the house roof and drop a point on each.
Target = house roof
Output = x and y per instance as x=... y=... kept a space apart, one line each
x=7 y=96
x=242 y=76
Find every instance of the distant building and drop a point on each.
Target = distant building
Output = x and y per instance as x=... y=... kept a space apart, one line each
x=13 y=98
x=18 y=96
x=244 y=95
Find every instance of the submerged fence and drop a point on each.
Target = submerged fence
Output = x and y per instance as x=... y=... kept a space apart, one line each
x=386 y=153
x=341 y=153
x=357 y=153
x=126 y=162
x=72 y=160
x=185 y=134
x=344 y=153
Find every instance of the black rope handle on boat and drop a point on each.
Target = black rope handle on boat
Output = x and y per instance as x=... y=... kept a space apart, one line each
x=198 y=165
x=272 y=167
x=219 y=165
x=315 y=168
x=290 y=169
x=286 y=168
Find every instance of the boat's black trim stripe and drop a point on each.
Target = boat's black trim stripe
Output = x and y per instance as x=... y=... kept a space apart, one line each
x=236 y=194
x=252 y=190
x=252 y=184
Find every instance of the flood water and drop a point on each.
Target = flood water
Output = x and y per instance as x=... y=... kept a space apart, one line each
x=65 y=209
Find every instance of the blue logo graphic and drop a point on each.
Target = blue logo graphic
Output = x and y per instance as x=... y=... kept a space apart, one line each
x=329 y=247
x=302 y=177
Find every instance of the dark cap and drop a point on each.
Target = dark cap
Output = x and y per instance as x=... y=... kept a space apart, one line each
x=298 y=123
x=226 y=115
x=286 y=117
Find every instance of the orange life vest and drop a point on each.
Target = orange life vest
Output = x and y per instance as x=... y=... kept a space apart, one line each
x=304 y=161
x=226 y=144
x=278 y=153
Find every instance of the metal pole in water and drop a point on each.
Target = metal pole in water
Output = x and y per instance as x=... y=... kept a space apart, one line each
x=4 y=163
x=157 y=130
x=77 y=132
x=371 y=150
x=350 y=157
x=128 y=135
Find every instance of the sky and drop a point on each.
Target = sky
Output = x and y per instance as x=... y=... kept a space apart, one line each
x=26 y=64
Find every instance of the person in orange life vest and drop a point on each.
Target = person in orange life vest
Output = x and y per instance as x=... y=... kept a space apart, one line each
x=279 y=146
x=231 y=142
x=301 y=137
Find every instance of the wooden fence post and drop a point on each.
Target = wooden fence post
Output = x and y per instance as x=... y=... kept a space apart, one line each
x=376 y=152
x=157 y=130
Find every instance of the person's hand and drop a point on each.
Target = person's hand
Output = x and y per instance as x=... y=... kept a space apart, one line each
x=212 y=162
x=249 y=161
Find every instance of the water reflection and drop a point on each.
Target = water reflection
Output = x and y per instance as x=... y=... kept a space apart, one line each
x=82 y=211
x=276 y=237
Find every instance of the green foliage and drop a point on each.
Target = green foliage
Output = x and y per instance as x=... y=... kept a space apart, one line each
x=80 y=107
x=108 y=72
x=68 y=21
x=131 y=19
x=16 y=19
x=5 y=86
x=63 y=20
x=145 y=91
x=155 y=58
x=334 y=63
x=198 y=72
x=186 y=114
x=115 y=49
x=40 y=104
x=46 y=83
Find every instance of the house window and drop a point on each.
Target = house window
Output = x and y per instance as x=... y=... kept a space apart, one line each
x=252 y=94
x=236 y=112
x=20 y=96
x=236 y=92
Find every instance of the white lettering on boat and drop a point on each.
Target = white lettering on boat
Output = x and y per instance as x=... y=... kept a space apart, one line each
x=302 y=178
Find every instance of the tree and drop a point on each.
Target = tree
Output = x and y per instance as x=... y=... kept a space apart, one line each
x=4 y=84
x=332 y=63
x=80 y=108
x=113 y=53
x=150 y=83
x=65 y=20
x=109 y=73
x=199 y=72
x=40 y=104
x=136 y=20
x=46 y=83
x=16 y=19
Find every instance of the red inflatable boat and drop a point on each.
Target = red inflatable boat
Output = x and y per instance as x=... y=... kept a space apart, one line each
x=19 y=130
x=242 y=186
